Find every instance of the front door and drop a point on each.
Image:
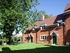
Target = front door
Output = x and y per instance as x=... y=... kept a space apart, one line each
x=54 y=39
x=31 y=39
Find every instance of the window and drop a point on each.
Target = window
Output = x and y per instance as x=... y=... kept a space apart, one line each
x=25 y=38
x=43 y=26
x=59 y=23
x=42 y=37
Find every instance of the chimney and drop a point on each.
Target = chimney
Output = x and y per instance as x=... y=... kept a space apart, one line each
x=42 y=18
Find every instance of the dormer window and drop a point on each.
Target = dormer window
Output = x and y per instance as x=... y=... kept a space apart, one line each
x=43 y=27
x=59 y=23
x=34 y=27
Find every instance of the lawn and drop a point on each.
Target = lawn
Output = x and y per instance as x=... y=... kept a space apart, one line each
x=33 y=48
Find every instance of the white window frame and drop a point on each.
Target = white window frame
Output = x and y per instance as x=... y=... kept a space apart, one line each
x=43 y=37
x=59 y=24
x=43 y=26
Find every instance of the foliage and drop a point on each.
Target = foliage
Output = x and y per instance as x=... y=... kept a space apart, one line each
x=3 y=40
x=43 y=13
x=36 y=16
x=14 y=14
x=16 y=40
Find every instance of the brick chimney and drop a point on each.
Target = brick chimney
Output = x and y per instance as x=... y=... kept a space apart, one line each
x=41 y=18
x=67 y=9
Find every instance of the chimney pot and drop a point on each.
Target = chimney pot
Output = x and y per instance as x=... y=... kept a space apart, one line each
x=42 y=17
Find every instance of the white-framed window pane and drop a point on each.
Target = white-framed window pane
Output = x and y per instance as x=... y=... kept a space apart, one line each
x=43 y=37
x=43 y=27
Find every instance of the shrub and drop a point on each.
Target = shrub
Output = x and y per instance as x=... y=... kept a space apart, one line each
x=3 y=40
x=16 y=40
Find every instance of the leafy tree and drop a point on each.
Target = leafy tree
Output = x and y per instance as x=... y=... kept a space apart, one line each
x=35 y=16
x=14 y=14
x=43 y=13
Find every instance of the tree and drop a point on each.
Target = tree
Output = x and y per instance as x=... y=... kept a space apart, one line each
x=43 y=13
x=14 y=14
x=35 y=16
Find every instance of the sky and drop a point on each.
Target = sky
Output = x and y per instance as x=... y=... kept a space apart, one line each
x=52 y=7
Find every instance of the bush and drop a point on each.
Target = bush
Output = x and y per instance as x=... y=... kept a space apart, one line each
x=3 y=40
x=16 y=40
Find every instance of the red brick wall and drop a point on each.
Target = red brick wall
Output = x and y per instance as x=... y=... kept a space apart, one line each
x=42 y=33
x=33 y=34
x=61 y=38
x=67 y=28
x=49 y=38
x=23 y=35
x=34 y=37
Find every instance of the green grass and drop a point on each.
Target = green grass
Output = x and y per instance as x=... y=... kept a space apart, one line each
x=33 y=48
x=23 y=46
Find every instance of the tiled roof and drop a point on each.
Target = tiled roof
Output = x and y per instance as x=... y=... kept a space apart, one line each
x=54 y=19
x=49 y=21
x=67 y=9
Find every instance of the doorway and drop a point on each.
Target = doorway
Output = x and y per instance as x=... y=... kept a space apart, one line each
x=31 y=39
x=54 y=38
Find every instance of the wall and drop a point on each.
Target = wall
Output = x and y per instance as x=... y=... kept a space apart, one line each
x=36 y=36
x=67 y=29
x=60 y=36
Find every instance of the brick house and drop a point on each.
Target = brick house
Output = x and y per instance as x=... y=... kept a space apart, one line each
x=54 y=30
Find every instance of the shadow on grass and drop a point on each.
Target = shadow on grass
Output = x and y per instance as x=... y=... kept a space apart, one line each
x=51 y=49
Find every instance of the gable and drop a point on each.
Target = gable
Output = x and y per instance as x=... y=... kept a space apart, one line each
x=67 y=9
x=54 y=19
x=59 y=17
